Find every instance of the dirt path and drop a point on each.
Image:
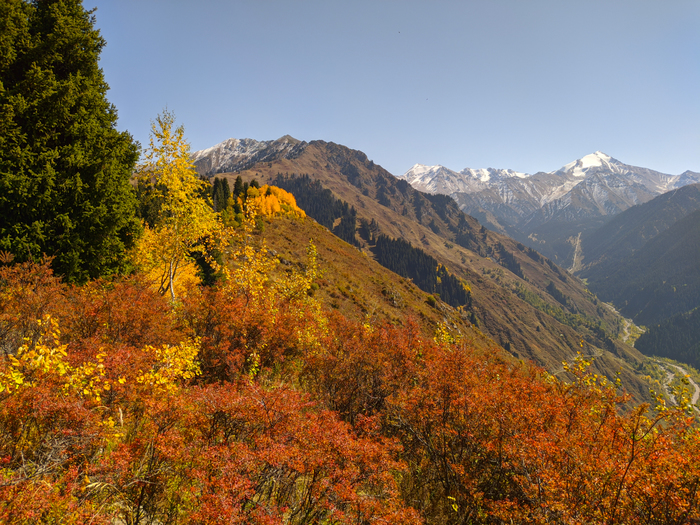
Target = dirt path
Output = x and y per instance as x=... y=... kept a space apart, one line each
x=626 y=323
x=669 y=377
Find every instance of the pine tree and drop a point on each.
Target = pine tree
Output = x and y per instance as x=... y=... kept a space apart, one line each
x=238 y=186
x=64 y=168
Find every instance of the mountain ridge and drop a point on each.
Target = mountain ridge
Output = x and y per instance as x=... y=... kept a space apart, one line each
x=550 y=210
x=525 y=303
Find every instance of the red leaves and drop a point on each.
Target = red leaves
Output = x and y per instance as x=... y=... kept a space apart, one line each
x=299 y=416
x=275 y=453
x=488 y=438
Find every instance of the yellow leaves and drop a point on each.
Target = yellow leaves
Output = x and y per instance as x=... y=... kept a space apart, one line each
x=88 y=379
x=253 y=267
x=443 y=335
x=30 y=362
x=47 y=361
x=172 y=364
x=271 y=201
x=453 y=503
x=184 y=216
x=154 y=255
x=254 y=367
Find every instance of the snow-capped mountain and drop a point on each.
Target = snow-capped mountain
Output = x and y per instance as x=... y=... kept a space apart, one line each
x=605 y=185
x=239 y=154
x=439 y=179
x=539 y=209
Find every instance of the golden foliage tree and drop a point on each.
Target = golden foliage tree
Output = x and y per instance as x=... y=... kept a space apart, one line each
x=271 y=201
x=184 y=220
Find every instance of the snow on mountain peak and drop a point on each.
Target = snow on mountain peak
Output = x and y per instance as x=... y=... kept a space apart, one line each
x=235 y=154
x=418 y=170
x=578 y=168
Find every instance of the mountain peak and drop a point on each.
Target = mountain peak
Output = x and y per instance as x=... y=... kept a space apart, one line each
x=289 y=139
x=420 y=169
x=237 y=154
x=580 y=167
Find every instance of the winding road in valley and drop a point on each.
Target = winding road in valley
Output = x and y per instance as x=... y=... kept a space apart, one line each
x=626 y=323
x=671 y=374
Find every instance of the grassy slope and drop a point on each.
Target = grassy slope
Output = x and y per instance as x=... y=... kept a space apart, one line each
x=532 y=333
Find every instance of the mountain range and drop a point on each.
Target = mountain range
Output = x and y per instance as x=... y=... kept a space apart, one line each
x=631 y=233
x=549 y=211
x=522 y=301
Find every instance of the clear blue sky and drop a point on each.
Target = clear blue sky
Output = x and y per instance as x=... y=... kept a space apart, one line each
x=528 y=85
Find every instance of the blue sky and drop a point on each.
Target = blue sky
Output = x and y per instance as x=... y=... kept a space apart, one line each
x=527 y=85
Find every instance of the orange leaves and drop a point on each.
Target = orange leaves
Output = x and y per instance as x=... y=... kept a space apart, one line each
x=271 y=201
x=497 y=441
x=249 y=403
x=277 y=454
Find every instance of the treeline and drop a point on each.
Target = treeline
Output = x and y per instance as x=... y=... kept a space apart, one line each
x=321 y=205
x=508 y=260
x=677 y=338
x=394 y=254
x=402 y=258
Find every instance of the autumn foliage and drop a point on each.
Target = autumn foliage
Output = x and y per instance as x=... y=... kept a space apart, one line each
x=248 y=402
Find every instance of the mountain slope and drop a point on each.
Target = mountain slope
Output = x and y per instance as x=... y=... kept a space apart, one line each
x=660 y=279
x=523 y=301
x=574 y=200
x=631 y=229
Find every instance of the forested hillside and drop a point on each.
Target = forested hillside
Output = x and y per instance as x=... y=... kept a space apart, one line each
x=219 y=356
x=509 y=297
x=676 y=337
x=645 y=262
x=429 y=275
x=662 y=278
x=319 y=203
x=605 y=248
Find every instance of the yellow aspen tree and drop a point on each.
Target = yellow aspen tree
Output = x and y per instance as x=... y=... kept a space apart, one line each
x=184 y=218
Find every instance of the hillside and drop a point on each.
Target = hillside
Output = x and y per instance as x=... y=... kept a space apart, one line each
x=658 y=280
x=677 y=337
x=627 y=232
x=358 y=287
x=645 y=261
x=527 y=304
x=549 y=211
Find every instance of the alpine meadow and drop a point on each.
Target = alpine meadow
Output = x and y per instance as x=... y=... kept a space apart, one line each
x=283 y=332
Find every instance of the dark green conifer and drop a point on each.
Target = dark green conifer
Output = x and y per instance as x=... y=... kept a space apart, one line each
x=238 y=186
x=65 y=170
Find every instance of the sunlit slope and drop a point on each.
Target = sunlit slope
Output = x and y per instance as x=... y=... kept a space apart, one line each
x=524 y=302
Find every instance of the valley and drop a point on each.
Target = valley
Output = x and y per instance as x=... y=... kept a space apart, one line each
x=286 y=332
x=630 y=233
x=524 y=302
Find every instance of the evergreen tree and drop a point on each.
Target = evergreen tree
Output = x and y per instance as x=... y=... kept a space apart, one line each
x=64 y=168
x=238 y=186
x=221 y=192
